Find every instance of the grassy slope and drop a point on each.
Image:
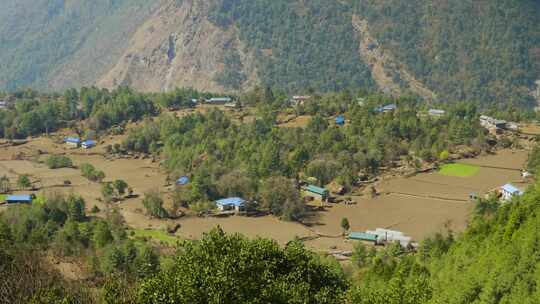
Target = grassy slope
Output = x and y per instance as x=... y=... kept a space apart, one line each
x=459 y=170
x=157 y=235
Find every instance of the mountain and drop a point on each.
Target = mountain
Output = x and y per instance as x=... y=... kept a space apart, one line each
x=485 y=51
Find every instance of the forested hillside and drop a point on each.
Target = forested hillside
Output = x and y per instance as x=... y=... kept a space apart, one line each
x=63 y=43
x=481 y=51
x=464 y=50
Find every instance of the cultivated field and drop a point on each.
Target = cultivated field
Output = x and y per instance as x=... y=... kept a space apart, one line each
x=419 y=206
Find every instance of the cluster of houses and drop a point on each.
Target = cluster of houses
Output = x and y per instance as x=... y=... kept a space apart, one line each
x=497 y=126
x=75 y=142
x=381 y=236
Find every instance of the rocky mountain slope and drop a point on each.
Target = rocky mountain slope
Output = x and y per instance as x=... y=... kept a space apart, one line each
x=451 y=50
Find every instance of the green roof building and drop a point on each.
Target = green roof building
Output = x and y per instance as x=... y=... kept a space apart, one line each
x=318 y=191
x=361 y=236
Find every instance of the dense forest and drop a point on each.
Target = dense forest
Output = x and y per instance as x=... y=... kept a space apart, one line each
x=37 y=38
x=486 y=52
x=464 y=50
x=300 y=45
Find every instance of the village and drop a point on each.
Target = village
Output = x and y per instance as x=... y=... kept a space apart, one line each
x=402 y=207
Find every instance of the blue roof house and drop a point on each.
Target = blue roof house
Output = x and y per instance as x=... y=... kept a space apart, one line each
x=19 y=199
x=509 y=191
x=88 y=144
x=340 y=120
x=232 y=203
x=182 y=181
x=72 y=141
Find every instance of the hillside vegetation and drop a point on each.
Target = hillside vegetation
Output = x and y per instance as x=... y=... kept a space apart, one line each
x=465 y=50
x=63 y=43
x=481 y=51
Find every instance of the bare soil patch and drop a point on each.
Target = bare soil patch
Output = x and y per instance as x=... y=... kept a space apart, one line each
x=419 y=206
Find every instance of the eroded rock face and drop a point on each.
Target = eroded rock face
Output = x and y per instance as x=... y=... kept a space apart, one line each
x=536 y=93
x=179 y=47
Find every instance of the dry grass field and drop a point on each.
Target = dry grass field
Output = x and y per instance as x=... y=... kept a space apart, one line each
x=419 y=206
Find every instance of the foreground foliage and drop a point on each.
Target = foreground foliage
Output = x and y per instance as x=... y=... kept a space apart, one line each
x=231 y=269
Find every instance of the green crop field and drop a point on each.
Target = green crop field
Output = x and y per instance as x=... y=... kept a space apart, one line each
x=459 y=170
x=157 y=235
x=2 y=198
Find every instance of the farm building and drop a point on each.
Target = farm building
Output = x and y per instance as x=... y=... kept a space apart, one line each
x=20 y=199
x=340 y=120
x=231 y=204
x=386 y=108
x=509 y=191
x=390 y=236
x=436 y=112
x=88 y=144
x=182 y=181
x=72 y=141
x=318 y=192
x=230 y=105
x=299 y=100
x=219 y=100
x=512 y=126
x=362 y=236
x=492 y=123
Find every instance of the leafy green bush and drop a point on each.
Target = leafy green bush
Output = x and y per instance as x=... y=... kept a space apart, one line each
x=59 y=161
x=240 y=270
x=153 y=203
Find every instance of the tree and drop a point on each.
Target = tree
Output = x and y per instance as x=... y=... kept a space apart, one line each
x=76 y=208
x=101 y=234
x=153 y=204
x=107 y=191
x=223 y=268
x=279 y=195
x=59 y=161
x=444 y=155
x=23 y=182
x=4 y=184
x=360 y=255
x=120 y=186
x=345 y=225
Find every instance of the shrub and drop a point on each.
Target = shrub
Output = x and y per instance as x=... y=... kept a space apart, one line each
x=58 y=161
x=153 y=204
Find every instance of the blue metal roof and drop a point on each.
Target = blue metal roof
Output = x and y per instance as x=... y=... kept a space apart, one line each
x=340 y=120
x=184 y=180
x=19 y=198
x=232 y=201
x=89 y=143
x=75 y=140
x=511 y=189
